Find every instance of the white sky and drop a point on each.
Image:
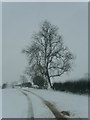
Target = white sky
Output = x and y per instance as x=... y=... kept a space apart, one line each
x=19 y=20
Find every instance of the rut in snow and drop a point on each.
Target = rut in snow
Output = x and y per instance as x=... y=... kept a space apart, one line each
x=30 y=108
x=51 y=107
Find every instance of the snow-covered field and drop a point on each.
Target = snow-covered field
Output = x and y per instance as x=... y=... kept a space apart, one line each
x=17 y=105
x=14 y=104
x=77 y=105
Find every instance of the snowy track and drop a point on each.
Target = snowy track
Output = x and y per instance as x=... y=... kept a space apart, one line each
x=30 y=109
x=37 y=103
x=49 y=106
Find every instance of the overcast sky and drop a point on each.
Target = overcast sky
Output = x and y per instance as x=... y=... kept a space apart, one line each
x=20 y=20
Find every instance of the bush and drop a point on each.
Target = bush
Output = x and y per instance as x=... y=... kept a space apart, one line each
x=40 y=81
x=4 y=86
x=27 y=84
x=80 y=87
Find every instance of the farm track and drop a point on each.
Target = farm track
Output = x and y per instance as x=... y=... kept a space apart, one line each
x=51 y=107
x=30 y=108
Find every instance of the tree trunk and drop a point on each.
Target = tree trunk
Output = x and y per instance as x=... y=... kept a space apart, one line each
x=49 y=82
x=48 y=79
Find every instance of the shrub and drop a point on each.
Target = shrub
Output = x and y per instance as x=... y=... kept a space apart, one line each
x=4 y=86
x=81 y=86
x=27 y=84
x=40 y=81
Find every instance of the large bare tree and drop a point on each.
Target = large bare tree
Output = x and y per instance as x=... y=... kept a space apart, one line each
x=47 y=56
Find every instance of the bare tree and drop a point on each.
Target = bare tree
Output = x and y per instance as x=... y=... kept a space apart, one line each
x=23 y=79
x=47 y=55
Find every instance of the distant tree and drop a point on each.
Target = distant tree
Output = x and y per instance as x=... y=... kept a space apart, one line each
x=23 y=79
x=47 y=56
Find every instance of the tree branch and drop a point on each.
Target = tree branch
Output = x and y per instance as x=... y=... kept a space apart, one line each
x=57 y=74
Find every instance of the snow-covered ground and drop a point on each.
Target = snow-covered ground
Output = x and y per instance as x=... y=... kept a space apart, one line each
x=15 y=104
x=77 y=105
x=40 y=110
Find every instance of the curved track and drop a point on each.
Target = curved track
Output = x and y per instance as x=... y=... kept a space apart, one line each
x=50 y=106
x=30 y=108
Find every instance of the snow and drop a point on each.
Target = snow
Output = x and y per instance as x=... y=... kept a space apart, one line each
x=77 y=105
x=40 y=110
x=16 y=105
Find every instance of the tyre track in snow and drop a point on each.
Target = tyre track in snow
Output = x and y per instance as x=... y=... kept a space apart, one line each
x=30 y=108
x=51 y=107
